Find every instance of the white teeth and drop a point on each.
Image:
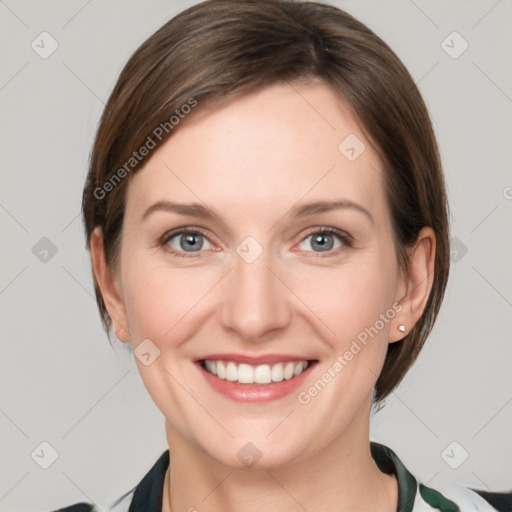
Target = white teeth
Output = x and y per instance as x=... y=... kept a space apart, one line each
x=277 y=372
x=245 y=373
x=231 y=371
x=288 y=371
x=261 y=374
x=221 y=369
x=299 y=368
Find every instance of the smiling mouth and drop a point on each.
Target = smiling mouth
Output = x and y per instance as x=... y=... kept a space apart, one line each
x=263 y=374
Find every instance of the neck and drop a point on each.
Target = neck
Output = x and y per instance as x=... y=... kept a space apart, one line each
x=342 y=477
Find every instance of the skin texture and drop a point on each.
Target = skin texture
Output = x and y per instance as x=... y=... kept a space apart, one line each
x=252 y=161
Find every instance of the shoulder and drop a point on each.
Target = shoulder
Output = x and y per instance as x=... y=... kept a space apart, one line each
x=145 y=497
x=78 y=507
x=415 y=496
x=121 y=504
x=461 y=498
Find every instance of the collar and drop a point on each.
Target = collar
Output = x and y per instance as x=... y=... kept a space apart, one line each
x=148 y=495
x=388 y=462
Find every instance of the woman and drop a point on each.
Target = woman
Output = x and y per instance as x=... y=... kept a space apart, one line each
x=267 y=220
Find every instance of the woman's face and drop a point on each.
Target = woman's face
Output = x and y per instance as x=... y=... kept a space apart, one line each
x=257 y=238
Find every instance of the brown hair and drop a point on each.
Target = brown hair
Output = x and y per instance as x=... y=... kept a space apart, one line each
x=221 y=48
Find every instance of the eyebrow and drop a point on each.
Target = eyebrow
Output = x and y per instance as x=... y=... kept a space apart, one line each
x=301 y=210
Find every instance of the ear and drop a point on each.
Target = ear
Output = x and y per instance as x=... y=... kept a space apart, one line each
x=108 y=284
x=414 y=290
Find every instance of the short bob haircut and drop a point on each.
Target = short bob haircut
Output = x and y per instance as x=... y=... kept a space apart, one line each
x=219 y=49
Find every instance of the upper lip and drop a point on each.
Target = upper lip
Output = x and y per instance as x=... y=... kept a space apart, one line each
x=255 y=359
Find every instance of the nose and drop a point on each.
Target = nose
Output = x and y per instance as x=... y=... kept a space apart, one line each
x=256 y=301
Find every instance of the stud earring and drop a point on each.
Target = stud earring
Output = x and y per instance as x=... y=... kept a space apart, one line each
x=401 y=328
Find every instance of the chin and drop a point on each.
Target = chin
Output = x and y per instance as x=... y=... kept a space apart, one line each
x=255 y=454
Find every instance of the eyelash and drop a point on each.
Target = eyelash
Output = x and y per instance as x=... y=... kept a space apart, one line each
x=343 y=237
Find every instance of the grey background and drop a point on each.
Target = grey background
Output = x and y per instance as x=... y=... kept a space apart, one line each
x=61 y=381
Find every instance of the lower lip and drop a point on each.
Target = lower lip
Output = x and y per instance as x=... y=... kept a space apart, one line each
x=255 y=392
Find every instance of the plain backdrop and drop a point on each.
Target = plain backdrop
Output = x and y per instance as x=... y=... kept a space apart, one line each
x=62 y=383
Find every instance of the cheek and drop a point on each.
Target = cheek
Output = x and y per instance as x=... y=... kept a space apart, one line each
x=350 y=298
x=356 y=304
x=161 y=301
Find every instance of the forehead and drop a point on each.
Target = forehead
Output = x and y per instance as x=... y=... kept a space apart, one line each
x=268 y=149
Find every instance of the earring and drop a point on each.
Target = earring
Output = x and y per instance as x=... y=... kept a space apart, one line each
x=401 y=328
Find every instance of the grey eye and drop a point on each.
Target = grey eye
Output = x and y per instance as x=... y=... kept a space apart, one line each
x=188 y=242
x=321 y=242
